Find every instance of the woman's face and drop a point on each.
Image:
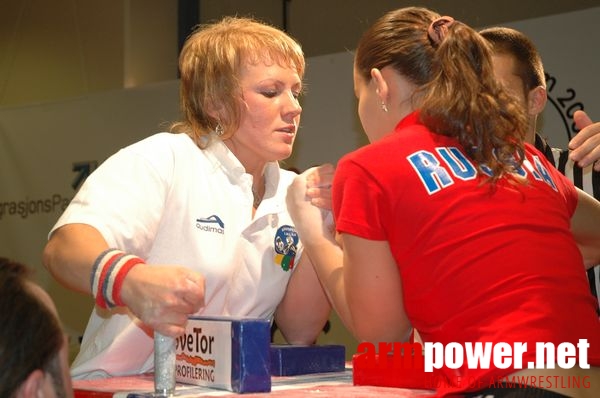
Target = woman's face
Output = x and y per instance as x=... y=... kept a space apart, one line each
x=270 y=114
x=383 y=100
x=376 y=122
x=369 y=109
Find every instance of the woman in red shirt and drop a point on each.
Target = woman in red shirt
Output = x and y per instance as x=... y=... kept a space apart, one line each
x=449 y=223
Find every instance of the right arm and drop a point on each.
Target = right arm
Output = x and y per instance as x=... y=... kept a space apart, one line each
x=585 y=146
x=373 y=290
x=160 y=296
x=70 y=254
x=361 y=280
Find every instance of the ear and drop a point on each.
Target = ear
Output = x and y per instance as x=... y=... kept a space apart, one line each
x=214 y=111
x=536 y=100
x=33 y=386
x=381 y=86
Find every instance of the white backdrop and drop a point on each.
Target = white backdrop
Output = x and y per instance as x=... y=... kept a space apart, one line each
x=43 y=147
x=41 y=144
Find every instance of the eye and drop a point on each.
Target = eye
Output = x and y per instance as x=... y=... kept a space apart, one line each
x=270 y=93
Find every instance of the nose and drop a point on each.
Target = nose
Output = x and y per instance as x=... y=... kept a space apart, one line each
x=292 y=104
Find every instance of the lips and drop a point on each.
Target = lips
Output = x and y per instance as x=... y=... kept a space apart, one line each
x=289 y=134
x=291 y=129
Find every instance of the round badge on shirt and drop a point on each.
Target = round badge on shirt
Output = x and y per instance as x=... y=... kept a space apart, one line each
x=286 y=246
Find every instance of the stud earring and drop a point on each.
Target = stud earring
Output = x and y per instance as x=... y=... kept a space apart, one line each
x=384 y=107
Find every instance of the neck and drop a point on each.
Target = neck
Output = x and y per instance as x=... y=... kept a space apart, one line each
x=258 y=191
x=258 y=183
x=530 y=135
x=256 y=168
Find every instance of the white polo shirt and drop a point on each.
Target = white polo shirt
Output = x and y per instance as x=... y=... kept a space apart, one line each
x=169 y=202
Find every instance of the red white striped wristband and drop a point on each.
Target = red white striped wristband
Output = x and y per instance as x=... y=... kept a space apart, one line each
x=108 y=273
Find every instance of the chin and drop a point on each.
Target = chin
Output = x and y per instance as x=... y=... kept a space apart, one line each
x=284 y=157
x=285 y=151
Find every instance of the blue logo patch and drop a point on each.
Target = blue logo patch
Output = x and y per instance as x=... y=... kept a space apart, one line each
x=286 y=246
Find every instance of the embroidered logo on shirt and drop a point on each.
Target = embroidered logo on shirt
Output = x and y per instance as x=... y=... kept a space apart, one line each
x=204 y=224
x=286 y=245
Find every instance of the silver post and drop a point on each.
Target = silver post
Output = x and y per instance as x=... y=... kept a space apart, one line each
x=164 y=365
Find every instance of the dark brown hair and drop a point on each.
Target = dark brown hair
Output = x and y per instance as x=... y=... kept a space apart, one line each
x=30 y=334
x=458 y=95
x=515 y=44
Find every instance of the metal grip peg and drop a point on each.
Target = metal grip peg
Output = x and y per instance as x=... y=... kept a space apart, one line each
x=164 y=365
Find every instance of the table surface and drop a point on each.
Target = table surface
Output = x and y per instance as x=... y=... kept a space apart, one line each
x=331 y=385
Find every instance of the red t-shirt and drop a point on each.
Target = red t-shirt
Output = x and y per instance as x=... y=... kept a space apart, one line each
x=477 y=265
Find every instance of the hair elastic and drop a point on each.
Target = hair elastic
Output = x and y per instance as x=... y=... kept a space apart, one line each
x=439 y=28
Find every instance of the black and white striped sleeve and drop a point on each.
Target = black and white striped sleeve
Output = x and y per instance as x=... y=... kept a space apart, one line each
x=588 y=180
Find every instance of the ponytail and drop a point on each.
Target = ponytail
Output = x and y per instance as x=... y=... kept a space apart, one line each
x=457 y=94
x=464 y=100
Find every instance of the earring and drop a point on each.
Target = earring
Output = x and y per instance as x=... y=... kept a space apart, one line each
x=384 y=107
x=219 y=130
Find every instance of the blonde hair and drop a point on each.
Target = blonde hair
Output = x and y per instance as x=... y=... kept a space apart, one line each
x=209 y=66
x=458 y=94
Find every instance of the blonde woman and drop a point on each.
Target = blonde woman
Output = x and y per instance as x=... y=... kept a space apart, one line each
x=190 y=221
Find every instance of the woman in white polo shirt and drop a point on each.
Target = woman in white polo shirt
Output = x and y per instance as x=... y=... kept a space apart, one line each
x=192 y=221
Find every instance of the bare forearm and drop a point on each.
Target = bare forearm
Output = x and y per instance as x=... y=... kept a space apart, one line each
x=304 y=309
x=305 y=325
x=327 y=258
x=70 y=253
x=162 y=296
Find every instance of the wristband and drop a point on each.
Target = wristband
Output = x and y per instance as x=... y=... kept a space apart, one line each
x=121 y=269
x=108 y=273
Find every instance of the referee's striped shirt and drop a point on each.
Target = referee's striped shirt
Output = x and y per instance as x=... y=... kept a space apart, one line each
x=586 y=179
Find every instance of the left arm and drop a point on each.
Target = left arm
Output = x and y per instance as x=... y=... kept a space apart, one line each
x=585 y=225
x=304 y=309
